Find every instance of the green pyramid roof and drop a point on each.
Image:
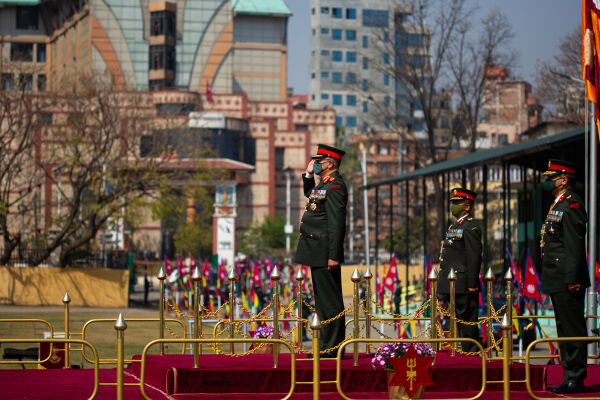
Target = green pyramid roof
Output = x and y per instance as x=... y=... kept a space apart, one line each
x=261 y=7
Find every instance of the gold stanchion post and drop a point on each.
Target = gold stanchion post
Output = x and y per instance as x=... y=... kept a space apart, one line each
x=300 y=304
x=433 y=278
x=196 y=277
x=368 y=276
x=509 y=277
x=161 y=307
x=506 y=343
x=232 y=278
x=66 y=300
x=120 y=326
x=316 y=333
x=275 y=277
x=356 y=280
x=453 y=330
x=489 y=282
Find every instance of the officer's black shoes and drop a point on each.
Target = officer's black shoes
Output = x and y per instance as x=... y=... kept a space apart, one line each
x=568 y=388
x=329 y=354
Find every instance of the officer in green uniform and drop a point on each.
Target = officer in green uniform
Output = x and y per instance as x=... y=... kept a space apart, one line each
x=564 y=270
x=461 y=251
x=321 y=242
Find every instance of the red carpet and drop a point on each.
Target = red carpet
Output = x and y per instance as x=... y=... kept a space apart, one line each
x=174 y=374
x=77 y=384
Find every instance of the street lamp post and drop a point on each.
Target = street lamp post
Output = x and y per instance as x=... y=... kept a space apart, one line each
x=288 y=228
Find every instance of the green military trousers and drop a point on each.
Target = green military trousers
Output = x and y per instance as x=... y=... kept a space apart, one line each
x=329 y=302
x=570 y=322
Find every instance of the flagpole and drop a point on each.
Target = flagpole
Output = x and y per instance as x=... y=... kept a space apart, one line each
x=363 y=166
x=592 y=229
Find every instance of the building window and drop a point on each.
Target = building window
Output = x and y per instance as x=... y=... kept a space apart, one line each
x=386 y=101
x=312 y=97
x=41 y=53
x=26 y=82
x=416 y=61
x=21 y=51
x=7 y=82
x=351 y=78
x=444 y=122
x=27 y=17
x=365 y=42
x=351 y=121
x=414 y=40
x=386 y=80
x=337 y=55
x=336 y=77
x=312 y=76
x=325 y=53
x=41 y=83
x=45 y=119
x=350 y=13
x=324 y=96
x=336 y=12
x=386 y=37
x=375 y=18
x=351 y=56
x=325 y=31
x=337 y=99
x=279 y=157
x=350 y=100
x=365 y=106
x=365 y=63
x=312 y=11
x=336 y=34
x=324 y=74
x=338 y=121
x=351 y=35
x=162 y=23
x=324 y=10
x=365 y=84
x=386 y=58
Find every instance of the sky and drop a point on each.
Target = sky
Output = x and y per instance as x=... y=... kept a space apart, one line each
x=539 y=27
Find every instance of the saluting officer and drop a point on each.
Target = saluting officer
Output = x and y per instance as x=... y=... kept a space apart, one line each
x=564 y=270
x=321 y=242
x=461 y=251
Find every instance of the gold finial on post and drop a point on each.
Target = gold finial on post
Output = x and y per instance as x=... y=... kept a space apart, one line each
x=316 y=328
x=356 y=279
x=433 y=278
x=453 y=330
x=196 y=277
x=506 y=354
x=275 y=277
x=368 y=276
x=509 y=277
x=120 y=326
x=232 y=278
x=161 y=308
x=489 y=282
x=66 y=300
x=299 y=305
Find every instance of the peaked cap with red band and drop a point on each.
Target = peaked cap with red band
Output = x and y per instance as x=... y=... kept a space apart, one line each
x=325 y=151
x=556 y=167
x=462 y=194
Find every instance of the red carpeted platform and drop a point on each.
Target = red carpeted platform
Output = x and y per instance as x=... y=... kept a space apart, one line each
x=175 y=375
x=77 y=384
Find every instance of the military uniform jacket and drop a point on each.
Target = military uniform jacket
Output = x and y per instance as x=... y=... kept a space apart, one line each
x=461 y=250
x=563 y=245
x=323 y=225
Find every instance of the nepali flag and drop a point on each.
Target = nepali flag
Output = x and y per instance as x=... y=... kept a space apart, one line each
x=515 y=270
x=428 y=267
x=392 y=275
x=222 y=274
x=590 y=38
x=531 y=287
x=181 y=267
x=205 y=272
x=256 y=274
x=168 y=268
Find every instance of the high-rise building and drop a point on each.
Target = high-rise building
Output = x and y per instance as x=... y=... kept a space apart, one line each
x=353 y=58
x=233 y=46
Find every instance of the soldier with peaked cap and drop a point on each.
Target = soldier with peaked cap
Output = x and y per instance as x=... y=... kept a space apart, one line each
x=461 y=251
x=564 y=270
x=321 y=242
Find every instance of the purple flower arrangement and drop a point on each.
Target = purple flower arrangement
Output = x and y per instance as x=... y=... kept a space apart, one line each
x=263 y=332
x=395 y=350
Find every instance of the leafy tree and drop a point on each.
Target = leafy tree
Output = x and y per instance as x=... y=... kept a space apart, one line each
x=265 y=239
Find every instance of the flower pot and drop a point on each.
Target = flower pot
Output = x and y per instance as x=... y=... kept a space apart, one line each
x=264 y=349
x=398 y=392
